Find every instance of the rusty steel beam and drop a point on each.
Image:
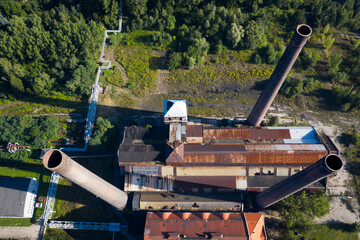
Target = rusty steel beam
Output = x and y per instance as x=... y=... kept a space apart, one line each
x=315 y=172
x=282 y=69
x=59 y=162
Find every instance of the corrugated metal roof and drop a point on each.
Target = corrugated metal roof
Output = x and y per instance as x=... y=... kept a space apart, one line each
x=252 y=157
x=285 y=147
x=197 y=148
x=195 y=226
x=223 y=152
x=226 y=133
x=194 y=130
x=263 y=133
x=188 y=184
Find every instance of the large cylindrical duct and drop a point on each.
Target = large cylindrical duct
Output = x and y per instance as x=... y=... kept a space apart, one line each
x=282 y=69
x=59 y=162
x=313 y=173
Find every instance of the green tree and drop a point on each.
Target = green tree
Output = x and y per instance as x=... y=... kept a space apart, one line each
x=81 y=81
x=256 y=59
x=346 y=98
x=43 y=84
x=338 y=77
x=334 y=63
x=308 y=59
x=174 y=60
x=136 y=7
x=254 y=35
x=101 y=128
x=235 y=34
x=270 y=54
x=298 y=211
x=292 y=87
x=328 y=42
x=190 y=62
x=49 y=126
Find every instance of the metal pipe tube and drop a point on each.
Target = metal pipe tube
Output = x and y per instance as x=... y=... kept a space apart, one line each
x=59 y=162
x=281 y=71
x=313 y=173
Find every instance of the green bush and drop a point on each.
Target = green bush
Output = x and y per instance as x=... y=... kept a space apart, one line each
x=274 y=121
x=174 y=60
x=256 y=59
x=338 y=77
x=292 y=87
x=307 y=58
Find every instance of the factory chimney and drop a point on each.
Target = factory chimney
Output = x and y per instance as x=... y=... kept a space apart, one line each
x=313 y=173
x=59 y=162
x=284 y=66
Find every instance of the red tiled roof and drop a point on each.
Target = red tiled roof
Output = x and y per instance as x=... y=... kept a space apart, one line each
x=195 y=226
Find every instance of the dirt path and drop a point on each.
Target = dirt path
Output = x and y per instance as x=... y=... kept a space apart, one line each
x=6 y=105
x=162 y=72
x=110 y=55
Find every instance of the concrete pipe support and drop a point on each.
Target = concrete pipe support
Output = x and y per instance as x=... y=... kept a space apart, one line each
x=313 y=173
x=281 y=71
x=59 y=162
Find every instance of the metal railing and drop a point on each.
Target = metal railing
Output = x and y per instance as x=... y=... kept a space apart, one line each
x=50 y=199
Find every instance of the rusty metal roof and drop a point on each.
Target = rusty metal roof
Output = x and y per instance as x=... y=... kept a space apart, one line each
x=195 y=227
x=245 y=133
x=197 y=148
x=285 y=147
x=243 y=158
x=194 y=130
x=226 y=133
x=256 y=146
x=185 y=183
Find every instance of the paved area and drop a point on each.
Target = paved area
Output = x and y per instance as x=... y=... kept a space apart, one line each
x=31 y=232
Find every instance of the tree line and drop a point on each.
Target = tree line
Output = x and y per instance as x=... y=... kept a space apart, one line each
x=52 y=46
x=27 y=130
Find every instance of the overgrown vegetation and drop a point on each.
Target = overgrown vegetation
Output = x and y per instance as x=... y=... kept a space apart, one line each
x=49 y=51
x=191 y=30
x=138 y=61
x=103 y=133
x=298 y=212
x=27 y=130
x=351 y=139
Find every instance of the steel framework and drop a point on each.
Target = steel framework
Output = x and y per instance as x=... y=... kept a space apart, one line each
x=96 y=226
x=50 y=199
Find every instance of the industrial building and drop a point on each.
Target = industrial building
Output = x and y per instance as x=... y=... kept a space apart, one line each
x=213 y=159
x=197 y=180
x=205 y=225
x=18 y=196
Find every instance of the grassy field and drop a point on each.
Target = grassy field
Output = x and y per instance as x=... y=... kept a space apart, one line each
x=333 y=232
x=226 y=83
x=16 y=222
x=58 y=103
x=27 y=170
